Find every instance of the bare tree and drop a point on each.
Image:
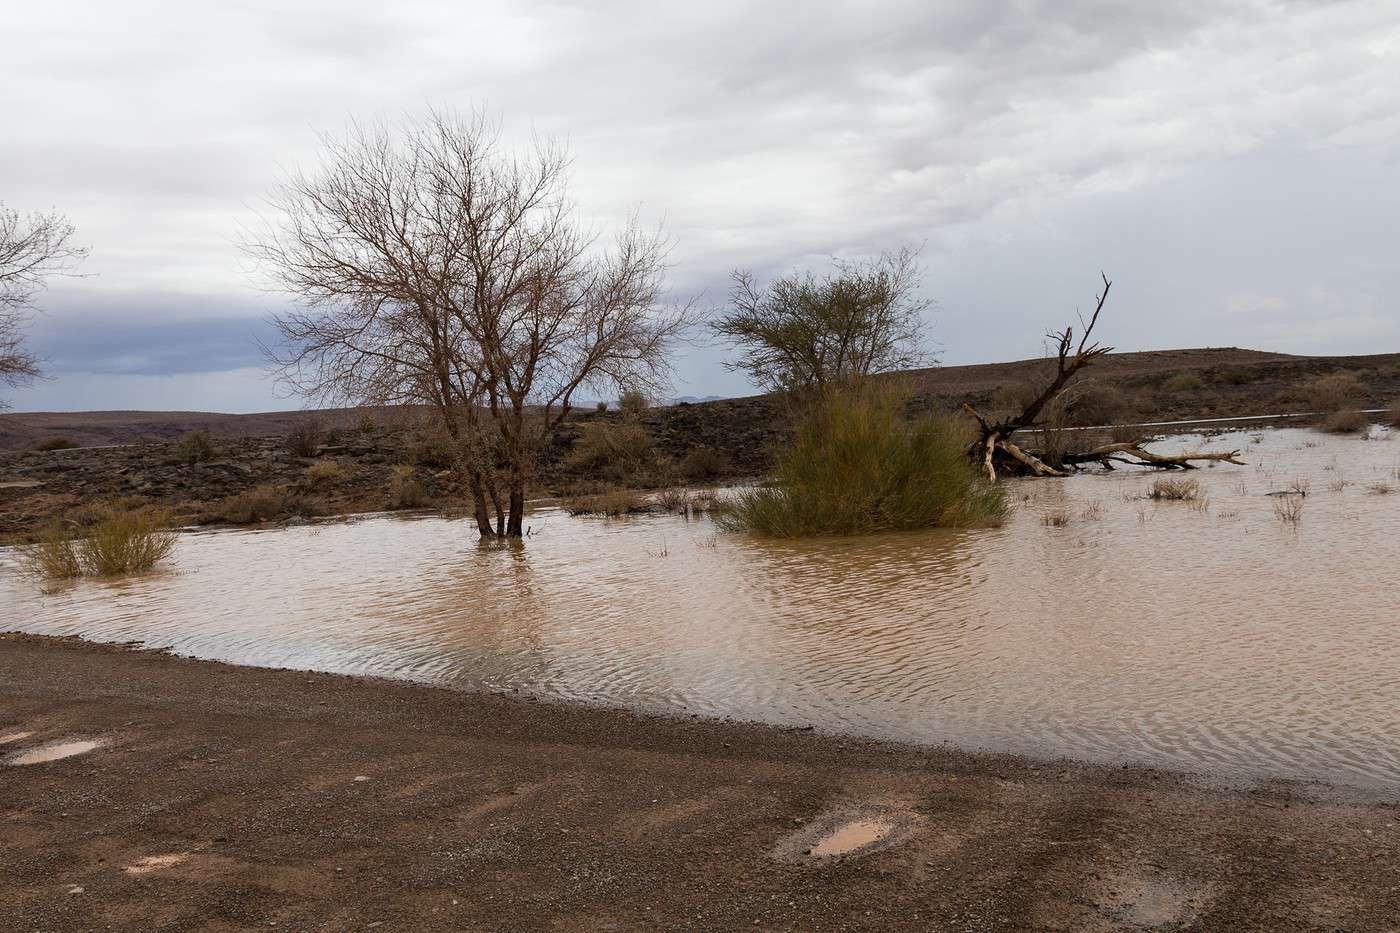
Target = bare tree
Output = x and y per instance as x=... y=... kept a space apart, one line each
x=33 y=247
x=435 y=267
x=804 y=332
x=995 y=450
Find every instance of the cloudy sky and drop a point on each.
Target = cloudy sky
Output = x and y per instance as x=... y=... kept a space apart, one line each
x=1231 y=164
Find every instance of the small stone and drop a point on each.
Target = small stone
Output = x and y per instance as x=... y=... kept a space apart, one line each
x=360 y=778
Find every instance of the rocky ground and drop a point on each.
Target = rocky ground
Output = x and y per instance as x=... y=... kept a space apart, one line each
x=314 y=802
x=739 y=436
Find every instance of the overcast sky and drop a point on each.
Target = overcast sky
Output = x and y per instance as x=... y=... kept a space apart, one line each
x=1232 y=165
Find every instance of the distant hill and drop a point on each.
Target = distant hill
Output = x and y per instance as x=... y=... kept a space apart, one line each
x=1232 y=381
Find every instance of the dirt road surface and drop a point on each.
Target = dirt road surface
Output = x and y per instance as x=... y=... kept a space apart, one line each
x=229 y=798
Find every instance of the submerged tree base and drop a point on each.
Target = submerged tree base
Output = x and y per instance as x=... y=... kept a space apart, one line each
x=858 y=465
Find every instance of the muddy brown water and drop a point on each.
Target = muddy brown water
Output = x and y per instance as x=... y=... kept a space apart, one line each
x=1217 y=639
x=53 y=751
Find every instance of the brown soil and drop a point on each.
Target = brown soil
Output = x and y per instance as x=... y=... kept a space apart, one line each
x=226 y=798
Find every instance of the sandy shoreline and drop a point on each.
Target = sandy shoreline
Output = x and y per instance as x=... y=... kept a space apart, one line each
x=229 y=798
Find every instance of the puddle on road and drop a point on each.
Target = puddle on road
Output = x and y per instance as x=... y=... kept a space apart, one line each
x=54 y=751
x=9 y=737
x=152 y=863
x=851 y=836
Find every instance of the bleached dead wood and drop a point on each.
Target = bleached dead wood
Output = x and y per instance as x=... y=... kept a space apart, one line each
x=995 y=451
x=1131 y=452
x=1070 y=358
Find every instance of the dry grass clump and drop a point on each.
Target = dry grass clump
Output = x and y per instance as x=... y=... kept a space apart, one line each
x=55 y=443
x=1333 y=392
x=633 y=402
x=53 y=557
x=1174 y=490
x=1346 y=422
x=1289 y=509
x=1057 y=517
x=609 y=504
x=366 y=425
x=325 y=473
x=1096 y=403
x=196 y=447
x=122 y=542
x=304 y=439
x=1380 y=489
x=260 y=504
x=702 y=463
x=857 y=465
x=1182 y=382
x=405 y=491
x=617 y=451
x=674 y=501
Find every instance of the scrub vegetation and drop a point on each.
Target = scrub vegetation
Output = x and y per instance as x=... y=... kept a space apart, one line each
x=859 y=465
x=119 y=541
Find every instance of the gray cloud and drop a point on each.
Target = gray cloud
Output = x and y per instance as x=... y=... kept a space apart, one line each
x=1230 y=163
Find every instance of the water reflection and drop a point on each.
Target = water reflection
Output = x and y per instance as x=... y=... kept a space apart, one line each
x=1209 y=637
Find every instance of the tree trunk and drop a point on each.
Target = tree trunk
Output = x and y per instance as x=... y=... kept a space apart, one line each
x=516 y=528
x=483 y=516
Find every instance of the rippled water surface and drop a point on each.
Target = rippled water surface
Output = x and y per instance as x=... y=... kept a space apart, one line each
x=1219 y=639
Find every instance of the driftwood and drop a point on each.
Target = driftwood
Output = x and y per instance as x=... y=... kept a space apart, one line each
x=1131 y=452
x=995 y=452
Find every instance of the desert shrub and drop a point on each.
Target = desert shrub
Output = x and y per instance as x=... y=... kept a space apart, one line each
x=601 y=407
x=366 y=425
x=124 y=541
x=405 y=491
x=55 y=443
x=304 y=438
x=616 y=451
x=127 y=542
x=1096 y=404
x=430 y=445
x=53 y=557
x=633 y=402
x=701 y=463
x=325 y=473
x=610 y=504
x=260 y=504
x=196 y=447
x=1179 y=490
x=858 y=465
x=1346 y=422
x=1182 y=382
x=1333 y=392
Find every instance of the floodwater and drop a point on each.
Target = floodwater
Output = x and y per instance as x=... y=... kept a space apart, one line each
x=1215 y=637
